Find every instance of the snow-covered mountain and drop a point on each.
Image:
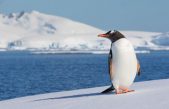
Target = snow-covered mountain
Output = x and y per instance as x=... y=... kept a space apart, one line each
x=38 y=31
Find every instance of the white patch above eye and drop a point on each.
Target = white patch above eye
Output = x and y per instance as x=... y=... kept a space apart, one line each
x=112 y=31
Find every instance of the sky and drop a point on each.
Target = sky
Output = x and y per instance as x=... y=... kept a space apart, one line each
x=141 y=15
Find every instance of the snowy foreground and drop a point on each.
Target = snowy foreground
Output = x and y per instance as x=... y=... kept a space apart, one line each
x=147 y=95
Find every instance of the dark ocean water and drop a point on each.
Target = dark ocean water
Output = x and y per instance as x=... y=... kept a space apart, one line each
x=23 y=73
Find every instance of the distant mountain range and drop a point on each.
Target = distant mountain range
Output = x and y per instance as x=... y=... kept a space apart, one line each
x=40 y=32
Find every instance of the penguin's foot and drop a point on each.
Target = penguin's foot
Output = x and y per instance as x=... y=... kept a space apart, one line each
x=128 y=91
x=122 y=90
x=119 y=92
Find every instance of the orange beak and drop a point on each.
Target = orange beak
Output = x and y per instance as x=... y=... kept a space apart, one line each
x=102 y=35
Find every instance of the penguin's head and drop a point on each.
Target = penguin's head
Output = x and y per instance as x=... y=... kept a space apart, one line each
x=113 y=36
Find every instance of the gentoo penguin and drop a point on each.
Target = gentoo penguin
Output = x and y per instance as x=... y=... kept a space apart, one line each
x=123 y=63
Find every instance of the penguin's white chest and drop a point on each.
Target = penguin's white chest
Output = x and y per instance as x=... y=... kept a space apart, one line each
x=124 y=63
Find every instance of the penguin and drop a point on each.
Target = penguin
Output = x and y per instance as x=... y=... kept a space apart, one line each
x=122 y=63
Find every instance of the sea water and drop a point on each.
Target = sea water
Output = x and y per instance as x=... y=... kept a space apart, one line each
x=24 y=73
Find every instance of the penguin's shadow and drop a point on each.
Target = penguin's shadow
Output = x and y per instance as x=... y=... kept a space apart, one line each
x=75 y=96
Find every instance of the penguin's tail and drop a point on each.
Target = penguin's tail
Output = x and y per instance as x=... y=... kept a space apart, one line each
x=108 y=90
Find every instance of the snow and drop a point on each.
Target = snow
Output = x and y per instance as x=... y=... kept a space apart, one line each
x=41 y=32
x=147 y=95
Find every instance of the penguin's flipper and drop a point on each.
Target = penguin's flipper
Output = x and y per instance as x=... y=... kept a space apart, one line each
x=110 y=64
x=138 y=68
x=110 y=70
x=108 y=90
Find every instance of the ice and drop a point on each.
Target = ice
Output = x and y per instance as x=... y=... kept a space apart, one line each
x=147 y=95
